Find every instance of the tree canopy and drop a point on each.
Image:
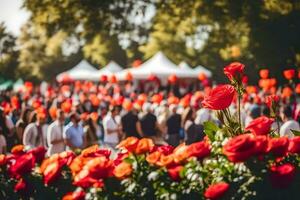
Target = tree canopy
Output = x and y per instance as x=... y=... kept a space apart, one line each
x=262 y=34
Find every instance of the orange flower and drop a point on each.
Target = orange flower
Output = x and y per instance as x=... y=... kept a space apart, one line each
x=152 y=158
x=113 y=79
x=201 y=76
x=286 y=92
x=180 y=153
x=264 y=73
x=289 y=74
x=77 y=195
x=144 y=145
x=123 y=170
x=2 y=159
x=18 y=149
x=165 y=161
x=128 y=76
x=51 y=172
x=172 y=79
x=129 y=143
x=99 y=167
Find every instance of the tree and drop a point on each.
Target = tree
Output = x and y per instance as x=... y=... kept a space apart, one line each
x=8 y=53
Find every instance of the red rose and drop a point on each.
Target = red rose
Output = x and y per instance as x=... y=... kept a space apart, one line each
x=216 y=191
x=20 y=186
x=289 y=74
x=282 y=176
x=52 y=172
x=174 y=172
x=199 y=149
x=262 y=144
x=77 y=195
x=219 y=98
x=38 y=153
x=264 y=73
x=242 y=147
x=22 y=165
x=260 y=125
x=234 y=70
x=165 y=149
x=272 y=100
x=279 y=146
x=294 y=145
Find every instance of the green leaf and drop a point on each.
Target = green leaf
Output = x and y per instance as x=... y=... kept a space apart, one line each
x=295 y=132
x=210 y=129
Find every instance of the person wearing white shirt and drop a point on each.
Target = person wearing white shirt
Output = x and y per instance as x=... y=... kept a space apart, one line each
x=111 y=128
x=55 y=135
x=35 y=134
x=289 y=123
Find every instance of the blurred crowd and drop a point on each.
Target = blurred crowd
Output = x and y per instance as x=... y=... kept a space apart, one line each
x=80 y=114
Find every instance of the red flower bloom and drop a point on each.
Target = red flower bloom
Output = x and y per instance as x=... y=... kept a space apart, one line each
x=77 y=195
x=216 y=191
x=219 y=98
x=272 y=100
x=38 y=153
x=174 y=172
x=260 y=125
x=242 y=147
x=264 y=73
x=234 y=70
x=294 y=145
x=279 y=146
x=289 y=74
x=165 y=149
x=199 y=149
x=22 y=165
x=282 y=176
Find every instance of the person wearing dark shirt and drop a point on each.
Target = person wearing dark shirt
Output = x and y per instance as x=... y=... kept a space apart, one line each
x=130 y=122
x=173 y=127
x=148 y=122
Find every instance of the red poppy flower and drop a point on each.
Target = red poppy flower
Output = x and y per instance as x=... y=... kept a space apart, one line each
x=216 y=191
x=282 y=176
x=234 y=70
x=219 y=98
x=260 y=125
x=289 y=74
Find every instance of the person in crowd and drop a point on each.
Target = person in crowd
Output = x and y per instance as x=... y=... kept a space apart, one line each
x=254 y=112
x=73 y=133
x=92 y=130
x=8 y=128
x=3 y=146
x=112 y=130
x=35 y=133
x=173 y=126
x=289 y=123
x=130 y=123
x=149 y=126
x=55 y=134
x=193 y=132
x=22 y=122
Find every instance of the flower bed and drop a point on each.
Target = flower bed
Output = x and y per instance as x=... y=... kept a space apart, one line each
x=245 y=166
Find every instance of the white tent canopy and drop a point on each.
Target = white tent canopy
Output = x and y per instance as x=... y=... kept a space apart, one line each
x=201 y=69
x=184 y=65
x=111 y=68
x=160 y=66
x=82 y=71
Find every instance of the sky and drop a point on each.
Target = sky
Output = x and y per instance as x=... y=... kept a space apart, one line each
x=12 y=15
